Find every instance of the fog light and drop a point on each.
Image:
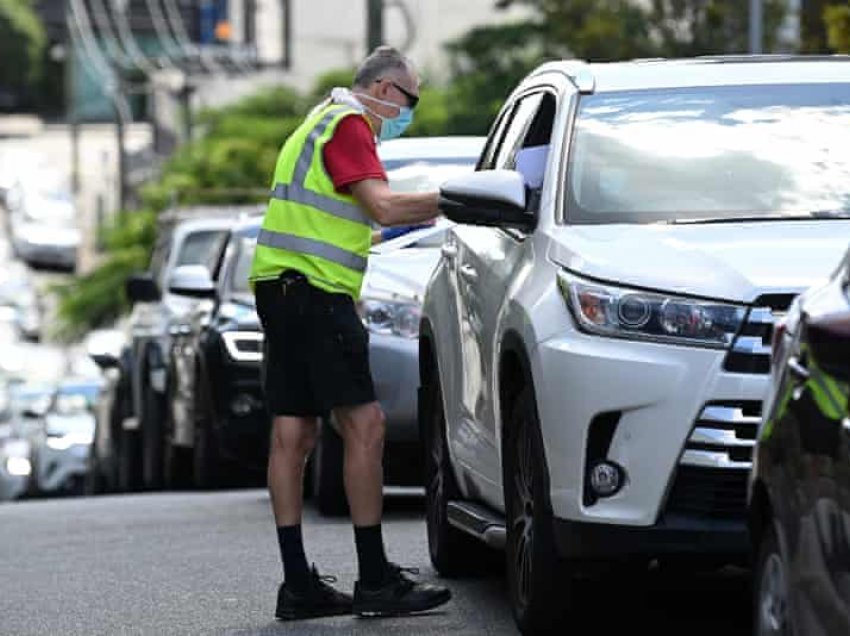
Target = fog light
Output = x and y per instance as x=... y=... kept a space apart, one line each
x=606 y=478
x=243 y=404
x=18 y=466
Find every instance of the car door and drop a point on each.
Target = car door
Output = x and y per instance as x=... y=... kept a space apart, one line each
x=487 y=259
x=819 y=536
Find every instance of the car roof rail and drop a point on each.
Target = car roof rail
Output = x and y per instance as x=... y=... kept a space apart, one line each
x=578 y=71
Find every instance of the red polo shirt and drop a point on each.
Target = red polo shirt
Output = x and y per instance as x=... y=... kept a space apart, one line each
x=351 y=155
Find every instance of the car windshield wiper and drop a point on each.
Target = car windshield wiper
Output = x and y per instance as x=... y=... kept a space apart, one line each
x=817 y=214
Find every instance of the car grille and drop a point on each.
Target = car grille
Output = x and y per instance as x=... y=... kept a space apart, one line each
x=711 y=479
x=750 y=350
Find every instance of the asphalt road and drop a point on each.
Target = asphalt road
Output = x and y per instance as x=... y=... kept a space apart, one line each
x=207 y=563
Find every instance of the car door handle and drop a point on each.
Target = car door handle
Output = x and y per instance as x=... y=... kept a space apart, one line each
x=469 y=273
x=798 y=369
x=449 y=251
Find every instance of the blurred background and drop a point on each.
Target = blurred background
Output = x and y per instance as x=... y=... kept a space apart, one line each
x=115 y=114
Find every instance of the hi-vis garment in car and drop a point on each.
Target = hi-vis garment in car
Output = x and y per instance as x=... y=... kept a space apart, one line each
x=309 y=226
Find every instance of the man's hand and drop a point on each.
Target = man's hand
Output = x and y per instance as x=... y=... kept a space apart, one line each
x=390 y=208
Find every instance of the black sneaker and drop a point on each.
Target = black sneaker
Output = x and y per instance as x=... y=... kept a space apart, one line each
x=319 y=599
x=398 y=595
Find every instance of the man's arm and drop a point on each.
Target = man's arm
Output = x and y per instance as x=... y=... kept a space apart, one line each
x=390 y=208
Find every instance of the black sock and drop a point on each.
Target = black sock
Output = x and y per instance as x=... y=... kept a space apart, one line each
x=295 y=567
x=370 y=554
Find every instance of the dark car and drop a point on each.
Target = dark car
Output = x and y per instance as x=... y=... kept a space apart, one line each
x=218 y=423
x=799 y=494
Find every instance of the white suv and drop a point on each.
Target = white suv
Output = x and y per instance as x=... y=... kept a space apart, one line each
x=595 y=340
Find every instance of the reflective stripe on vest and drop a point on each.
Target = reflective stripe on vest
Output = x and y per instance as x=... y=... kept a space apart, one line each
x=297 y=193
x=312 y=247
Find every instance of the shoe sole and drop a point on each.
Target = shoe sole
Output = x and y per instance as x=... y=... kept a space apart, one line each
x=316 y=613
x=374 y=612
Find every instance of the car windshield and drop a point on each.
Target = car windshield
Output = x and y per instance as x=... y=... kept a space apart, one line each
x=702 y=154
x=75 y=398
x=242 y=268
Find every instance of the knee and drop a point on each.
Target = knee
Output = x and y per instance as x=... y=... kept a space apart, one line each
x=293 y=440
x=366 y=430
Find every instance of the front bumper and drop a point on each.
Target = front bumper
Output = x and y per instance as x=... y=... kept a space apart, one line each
x=58 y=470
x=52 y=255
x=242 y=421
x=394 y=362
x=683 y=430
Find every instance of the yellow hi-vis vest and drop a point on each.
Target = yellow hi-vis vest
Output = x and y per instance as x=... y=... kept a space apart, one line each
x=309 y=226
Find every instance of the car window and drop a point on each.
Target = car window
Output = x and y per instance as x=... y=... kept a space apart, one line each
x=750 y=151
x=519 y=122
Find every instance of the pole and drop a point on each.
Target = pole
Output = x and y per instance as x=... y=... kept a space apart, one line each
x=374 y=24
x=756 y=17
x=71 y=105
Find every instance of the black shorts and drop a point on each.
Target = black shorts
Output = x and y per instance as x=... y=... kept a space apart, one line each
x=316 y=350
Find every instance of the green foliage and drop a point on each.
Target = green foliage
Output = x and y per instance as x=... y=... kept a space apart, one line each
x=837 y=21
x=22 y=45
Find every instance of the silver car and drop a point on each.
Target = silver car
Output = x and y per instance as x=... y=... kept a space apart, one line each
x=60 y=454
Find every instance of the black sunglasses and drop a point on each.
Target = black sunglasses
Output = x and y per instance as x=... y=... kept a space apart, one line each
x=412 y=99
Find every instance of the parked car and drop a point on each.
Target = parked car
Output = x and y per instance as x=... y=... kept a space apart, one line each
x=60 y=451
x=45 y=229
x=23 y=421
x=18 y=292
x=799 y=509
x=114 y=461
x=594 y=343
x=218 y=424
x=186 y=238
x=392 y=292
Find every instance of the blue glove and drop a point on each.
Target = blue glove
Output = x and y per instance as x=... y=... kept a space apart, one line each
x=389 y=233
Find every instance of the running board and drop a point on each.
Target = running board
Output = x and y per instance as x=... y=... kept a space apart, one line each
x=479 y=521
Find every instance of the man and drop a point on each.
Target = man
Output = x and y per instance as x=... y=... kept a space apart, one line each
x=329 y=188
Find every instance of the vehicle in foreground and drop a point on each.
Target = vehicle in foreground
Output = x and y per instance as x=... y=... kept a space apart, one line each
x=389 y=307
x=595 y=341
x=799 y=495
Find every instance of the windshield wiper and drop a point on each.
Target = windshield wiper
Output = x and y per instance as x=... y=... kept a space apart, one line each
x=817 y=214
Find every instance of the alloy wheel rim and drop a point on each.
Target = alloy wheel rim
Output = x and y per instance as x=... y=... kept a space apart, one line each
x=773 y=598
x=523 y=516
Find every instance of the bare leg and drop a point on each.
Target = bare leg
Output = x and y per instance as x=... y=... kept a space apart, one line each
x=292 y=440
x=362 y=429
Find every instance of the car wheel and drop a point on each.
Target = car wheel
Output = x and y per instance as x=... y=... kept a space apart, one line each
x=452 y=551
x=94 y=481
x=206 y=462
x=770 y=607
x=538 y=585
x=152 y=438
x=328 y=483
x=129 y=462
x=176 y=460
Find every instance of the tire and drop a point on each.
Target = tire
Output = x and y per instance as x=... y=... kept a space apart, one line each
x=129 y=462
x=95 y=481
x=328 y=482
x=176 y=460
x=152 y=430
x=771 y=591
x=538 y=584
x=452 y=551
x=206 y=462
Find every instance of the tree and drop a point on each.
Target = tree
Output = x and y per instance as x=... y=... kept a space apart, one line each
x=22 y=45
x=837 y=21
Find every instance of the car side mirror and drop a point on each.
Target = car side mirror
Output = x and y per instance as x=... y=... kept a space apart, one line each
x=141 y=288
x=829 y=341
x=105 y=360
x=191 y=280
x=495 y=198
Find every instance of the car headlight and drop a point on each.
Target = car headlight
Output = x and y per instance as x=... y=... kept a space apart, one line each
x=243 y=346
x=18 y=466
x=390 y=317
x=626 y=313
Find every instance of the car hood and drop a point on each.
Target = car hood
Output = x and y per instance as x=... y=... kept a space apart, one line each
x=731 y=261
x=239 y=311
x=403 y=273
